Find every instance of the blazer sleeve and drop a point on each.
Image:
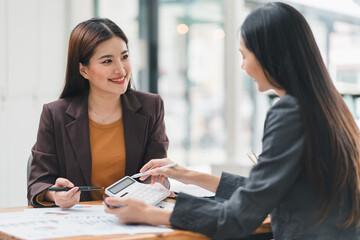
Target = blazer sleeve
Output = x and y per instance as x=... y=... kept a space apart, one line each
x=44 y=167
x=277 y=168
x=158 y=142
x=228 y=185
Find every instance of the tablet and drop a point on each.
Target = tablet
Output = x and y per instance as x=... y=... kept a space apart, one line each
x=128 y=187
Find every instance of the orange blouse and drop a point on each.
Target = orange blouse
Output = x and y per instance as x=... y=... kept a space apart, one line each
x=107 y=145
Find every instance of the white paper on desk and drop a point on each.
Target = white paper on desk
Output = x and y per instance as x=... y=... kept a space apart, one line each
x=38 y=229
x=166 y=205
x=8 y=216
x=76 y=211
x=44 y=223
x=113 y=226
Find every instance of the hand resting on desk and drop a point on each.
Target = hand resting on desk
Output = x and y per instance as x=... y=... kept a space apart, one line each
x=136 y=211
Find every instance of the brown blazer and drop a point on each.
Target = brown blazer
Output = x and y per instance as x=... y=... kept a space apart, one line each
x=63 y=149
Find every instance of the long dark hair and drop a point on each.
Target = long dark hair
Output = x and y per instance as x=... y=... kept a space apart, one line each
x=282 y=41
x=84 y=39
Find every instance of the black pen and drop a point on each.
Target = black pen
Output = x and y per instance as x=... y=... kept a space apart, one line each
x=81 y=188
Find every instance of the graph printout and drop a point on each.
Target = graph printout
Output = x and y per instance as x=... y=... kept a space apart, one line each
x=45 y=223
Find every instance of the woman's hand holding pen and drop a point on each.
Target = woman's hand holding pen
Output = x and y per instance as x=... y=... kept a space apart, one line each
x=177 y=172
x=64 y=199
x=187 y=176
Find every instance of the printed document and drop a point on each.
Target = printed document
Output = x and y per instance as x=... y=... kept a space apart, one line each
x=45 y=223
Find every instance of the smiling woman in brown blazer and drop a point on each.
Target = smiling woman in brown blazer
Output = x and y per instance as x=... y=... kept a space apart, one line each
x=100 y=129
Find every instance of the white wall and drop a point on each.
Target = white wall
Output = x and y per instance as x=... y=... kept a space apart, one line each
x=33 y=49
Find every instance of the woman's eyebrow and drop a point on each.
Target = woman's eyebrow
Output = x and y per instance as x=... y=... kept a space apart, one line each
x=109 y=56
x=105 y=56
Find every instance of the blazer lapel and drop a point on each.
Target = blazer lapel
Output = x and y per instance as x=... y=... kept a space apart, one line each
x=78 y=132
x=135 y=127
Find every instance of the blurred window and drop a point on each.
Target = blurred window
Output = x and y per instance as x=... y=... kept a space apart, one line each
x=191 y=78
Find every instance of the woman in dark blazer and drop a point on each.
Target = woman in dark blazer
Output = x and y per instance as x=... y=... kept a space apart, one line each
x=97 y=94
x=308 y=174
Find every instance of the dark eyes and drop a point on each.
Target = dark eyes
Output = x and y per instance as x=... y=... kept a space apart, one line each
x=110 y=61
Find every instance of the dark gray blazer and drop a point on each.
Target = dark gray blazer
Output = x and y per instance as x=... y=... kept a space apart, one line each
x=63 y=149
x=277 y=185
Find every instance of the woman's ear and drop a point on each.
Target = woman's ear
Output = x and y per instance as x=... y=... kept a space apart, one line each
x=83 y=71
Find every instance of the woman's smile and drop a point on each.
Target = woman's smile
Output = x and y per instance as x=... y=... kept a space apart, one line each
x=118 y=80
